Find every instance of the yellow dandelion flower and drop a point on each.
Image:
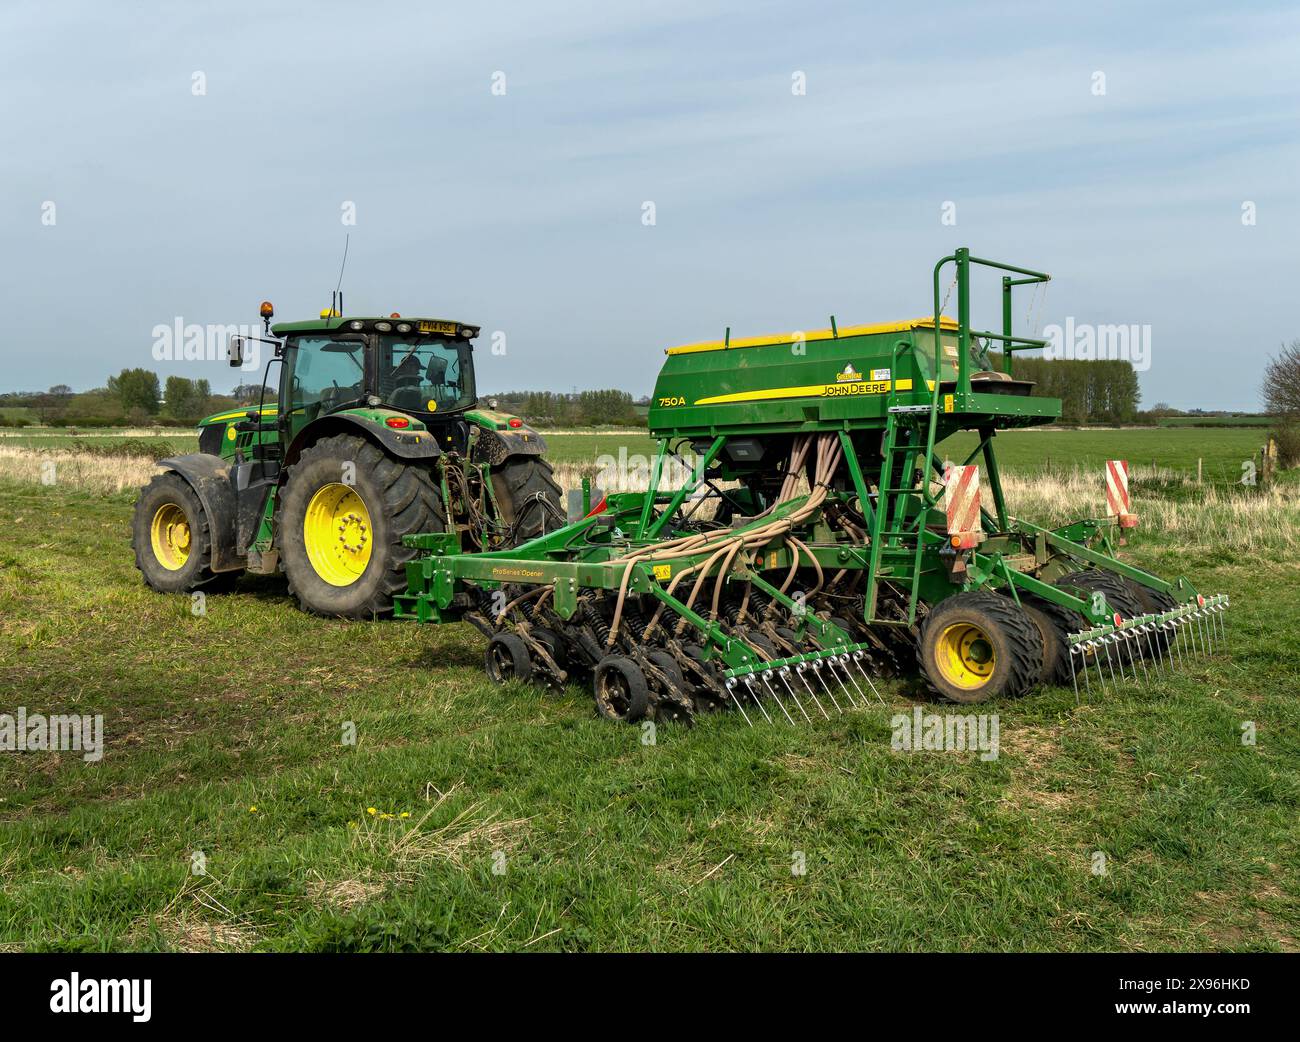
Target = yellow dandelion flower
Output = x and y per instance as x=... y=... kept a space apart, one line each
x=252 y=810
x=371 y=810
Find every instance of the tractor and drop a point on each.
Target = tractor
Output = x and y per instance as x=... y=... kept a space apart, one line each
x=823 y=541
x=375 y=436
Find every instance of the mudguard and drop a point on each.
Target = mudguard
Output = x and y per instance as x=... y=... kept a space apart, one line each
x=496 y=446
x=404 y=444
x=209 y=476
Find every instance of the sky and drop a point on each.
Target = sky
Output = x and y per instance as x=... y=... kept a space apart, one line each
x=492 y=163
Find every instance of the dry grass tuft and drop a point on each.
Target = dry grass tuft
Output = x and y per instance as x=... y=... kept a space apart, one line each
x=417 y=845
x=188 y=933
x=81 y=470
x=345 y=894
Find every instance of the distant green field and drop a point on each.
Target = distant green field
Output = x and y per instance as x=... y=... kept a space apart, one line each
x=1215 y=421
x=1222 y=450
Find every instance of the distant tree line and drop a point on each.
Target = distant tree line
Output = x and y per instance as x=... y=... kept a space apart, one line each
x=1100 y=391
x=610 y=408
x=133 y=396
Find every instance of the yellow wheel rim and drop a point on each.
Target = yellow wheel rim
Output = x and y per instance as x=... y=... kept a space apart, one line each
x=337 y=534
x=965 y=656
x=169 y=533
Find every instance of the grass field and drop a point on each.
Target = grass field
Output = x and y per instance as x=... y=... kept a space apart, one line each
x=533 y=825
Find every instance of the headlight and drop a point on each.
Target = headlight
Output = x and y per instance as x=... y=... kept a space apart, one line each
x=383 y=327
x=356 y=325
x=403 y=327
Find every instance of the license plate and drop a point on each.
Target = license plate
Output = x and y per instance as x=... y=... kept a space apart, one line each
x=438 y=327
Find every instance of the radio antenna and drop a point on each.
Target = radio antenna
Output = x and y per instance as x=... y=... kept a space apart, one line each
x=338 y=290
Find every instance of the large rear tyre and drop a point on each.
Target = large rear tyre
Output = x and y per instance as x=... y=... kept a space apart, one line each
x=529 y=498
x=345 y=509
x=979 y=645
x=172 y=538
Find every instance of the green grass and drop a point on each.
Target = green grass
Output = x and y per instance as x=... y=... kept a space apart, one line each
x=1216 y=421
x=606 y=843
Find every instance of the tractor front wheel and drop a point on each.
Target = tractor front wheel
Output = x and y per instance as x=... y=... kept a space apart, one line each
x=978 y=645
x=345 y=509
x=171 y=537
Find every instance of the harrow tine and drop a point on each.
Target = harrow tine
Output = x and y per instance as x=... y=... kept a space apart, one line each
x=815 y=667
x=1210 y=629
x=767 y=684
x=1073 y=678
x=1121 y=653
x=857 y=661
x=1178 y=643
x=731 y=692
x=749 y=683
x=843 y=660
x=1096 y=661
x=1136 y=638
x=782 y=674
x=1157 y=648
x=1223 y=622
x=1107 y=641
x=1153 y=642
x=800 y=670
x=1083 y=663
x=830 y=668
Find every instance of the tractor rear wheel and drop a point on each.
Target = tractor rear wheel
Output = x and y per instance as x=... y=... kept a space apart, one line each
x=172 y=539
x=978 y=645
x=529 y=499
x=345 y=509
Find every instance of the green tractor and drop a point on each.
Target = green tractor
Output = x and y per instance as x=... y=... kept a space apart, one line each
x=375 y=436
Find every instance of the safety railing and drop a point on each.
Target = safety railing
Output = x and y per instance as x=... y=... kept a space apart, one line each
x=1010 y=342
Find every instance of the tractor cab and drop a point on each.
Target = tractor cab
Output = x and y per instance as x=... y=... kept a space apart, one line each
x=408 y=374
x=422 y=368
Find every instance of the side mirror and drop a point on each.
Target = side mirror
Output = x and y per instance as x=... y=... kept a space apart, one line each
x=235 y=352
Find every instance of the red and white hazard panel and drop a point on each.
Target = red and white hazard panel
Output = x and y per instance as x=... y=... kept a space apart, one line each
x=961 y=501
x=1117 y=500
